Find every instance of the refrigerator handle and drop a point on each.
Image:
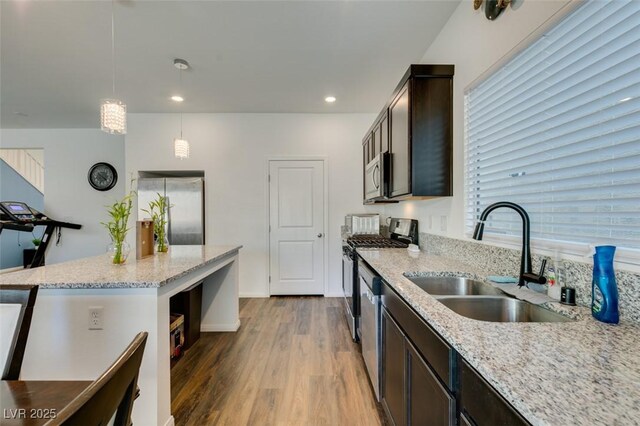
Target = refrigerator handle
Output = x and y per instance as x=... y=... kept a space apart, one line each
x=168 y=201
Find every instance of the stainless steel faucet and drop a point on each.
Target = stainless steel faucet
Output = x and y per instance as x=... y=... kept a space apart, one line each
x=526 y=275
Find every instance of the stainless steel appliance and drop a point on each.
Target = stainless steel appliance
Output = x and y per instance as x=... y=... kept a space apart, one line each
x=376 y=178
x=370 y=330
x=350 y=284
x=185 y=221
x=349 y=289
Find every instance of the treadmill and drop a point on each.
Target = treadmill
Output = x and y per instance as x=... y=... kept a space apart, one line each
x=18 y=216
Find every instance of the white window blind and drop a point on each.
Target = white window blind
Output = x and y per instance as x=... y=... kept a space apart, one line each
x=557 y=130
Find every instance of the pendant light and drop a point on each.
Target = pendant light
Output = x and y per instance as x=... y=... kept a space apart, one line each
x=181 y=145
x=113 y=112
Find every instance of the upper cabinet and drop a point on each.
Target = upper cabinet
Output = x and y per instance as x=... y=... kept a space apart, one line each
x=415 y=130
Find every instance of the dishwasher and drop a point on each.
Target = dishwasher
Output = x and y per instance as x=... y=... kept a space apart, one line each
x=370 y=331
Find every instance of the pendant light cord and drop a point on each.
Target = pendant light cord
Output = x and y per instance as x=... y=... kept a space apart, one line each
x=113 y=47
x=181 y=108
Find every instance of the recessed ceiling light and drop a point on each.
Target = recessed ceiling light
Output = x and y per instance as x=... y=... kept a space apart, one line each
x=177 y=98
x=181 y=64
x=330 y=99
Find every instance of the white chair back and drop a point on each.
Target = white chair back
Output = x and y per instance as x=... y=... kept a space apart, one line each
x=9 y=315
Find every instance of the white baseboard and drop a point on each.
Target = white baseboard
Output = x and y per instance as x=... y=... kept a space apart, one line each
x=208 y=328
x=334 y=294
x=250 y=295
x=170 y=421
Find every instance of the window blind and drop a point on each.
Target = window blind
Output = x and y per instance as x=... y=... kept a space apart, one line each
x=557 y=130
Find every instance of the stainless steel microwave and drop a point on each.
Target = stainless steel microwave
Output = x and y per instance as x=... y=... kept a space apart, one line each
x=376 y=178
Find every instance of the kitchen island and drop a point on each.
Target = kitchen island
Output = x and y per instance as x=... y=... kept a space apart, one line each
x=566 y=373
x=134 y=297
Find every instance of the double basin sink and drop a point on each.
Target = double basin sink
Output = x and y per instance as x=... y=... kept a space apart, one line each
x=481 y=301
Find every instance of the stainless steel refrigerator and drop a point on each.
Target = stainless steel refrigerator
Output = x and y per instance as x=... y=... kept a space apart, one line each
x=185 y=218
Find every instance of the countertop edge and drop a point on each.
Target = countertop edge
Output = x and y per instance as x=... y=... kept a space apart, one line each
x=142 y=284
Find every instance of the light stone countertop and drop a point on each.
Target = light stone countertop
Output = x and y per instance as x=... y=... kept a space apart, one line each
x=573 y=373
x=98 y=271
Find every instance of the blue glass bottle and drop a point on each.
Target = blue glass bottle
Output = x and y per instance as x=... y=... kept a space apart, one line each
x=604 y=291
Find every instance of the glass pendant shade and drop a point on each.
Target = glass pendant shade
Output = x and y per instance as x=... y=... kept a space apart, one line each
x=113 y=117
x=181 y=148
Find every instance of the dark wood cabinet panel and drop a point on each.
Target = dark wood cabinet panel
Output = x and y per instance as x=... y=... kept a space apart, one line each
x=429 y=403
x=432 y=137
x=436 y=351
x=376 y=138
x=400 y=144
x=384 y=133
x=465 y=421
x=393 y=368
x=481 y=404
x=365 y=146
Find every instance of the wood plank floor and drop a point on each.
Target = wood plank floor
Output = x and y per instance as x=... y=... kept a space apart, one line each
x=291 y=363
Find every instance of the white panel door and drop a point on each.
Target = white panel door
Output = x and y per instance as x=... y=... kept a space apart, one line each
x=296 y=219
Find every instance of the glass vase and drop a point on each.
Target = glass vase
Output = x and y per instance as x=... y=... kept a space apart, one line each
x=162 y=243
x=119 y=252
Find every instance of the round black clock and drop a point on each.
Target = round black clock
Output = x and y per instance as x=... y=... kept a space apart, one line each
x=102 y=176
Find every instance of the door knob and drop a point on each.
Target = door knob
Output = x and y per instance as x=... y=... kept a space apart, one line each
x=320 y=235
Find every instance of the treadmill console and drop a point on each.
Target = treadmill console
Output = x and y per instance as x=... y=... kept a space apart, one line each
x=19 y=212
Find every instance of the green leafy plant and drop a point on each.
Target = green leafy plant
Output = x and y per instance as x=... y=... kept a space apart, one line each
x=158 y=212
x=36 y=241
x=117 y=226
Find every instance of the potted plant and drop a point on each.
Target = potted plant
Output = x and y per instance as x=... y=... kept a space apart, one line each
x=36 y=242
x=158 y=212
x=117 y=227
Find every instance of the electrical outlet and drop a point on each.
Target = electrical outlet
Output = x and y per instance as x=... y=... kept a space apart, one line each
x=443 y=223
x=95 y=317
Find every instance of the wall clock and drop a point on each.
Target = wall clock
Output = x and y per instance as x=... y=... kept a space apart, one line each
x=102 y=176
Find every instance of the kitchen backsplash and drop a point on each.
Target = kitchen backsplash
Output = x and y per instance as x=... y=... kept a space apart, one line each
x=503 y=261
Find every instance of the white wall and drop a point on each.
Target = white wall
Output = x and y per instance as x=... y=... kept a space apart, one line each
x=69 y=153
x=473 y=44
x=233 y=150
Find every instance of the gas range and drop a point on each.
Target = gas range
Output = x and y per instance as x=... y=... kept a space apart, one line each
x=402 y=232
x=373 y=241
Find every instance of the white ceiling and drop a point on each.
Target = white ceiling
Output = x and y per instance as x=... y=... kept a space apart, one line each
x=246 y=56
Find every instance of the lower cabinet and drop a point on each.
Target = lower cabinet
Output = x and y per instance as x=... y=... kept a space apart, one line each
x=425 y=382
x=393 y=386
x=411 y=392
x=429 y=402
x=480 y=404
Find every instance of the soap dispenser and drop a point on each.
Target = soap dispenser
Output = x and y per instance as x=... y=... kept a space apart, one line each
x=555 y=279
x=604 y=291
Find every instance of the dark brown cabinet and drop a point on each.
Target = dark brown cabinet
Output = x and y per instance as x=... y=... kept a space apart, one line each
x=392 y=379
x=412 y=391
x=416 y=128
x=384 y=132
x=480 y=404
x=429 y=402
x=400 y=182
